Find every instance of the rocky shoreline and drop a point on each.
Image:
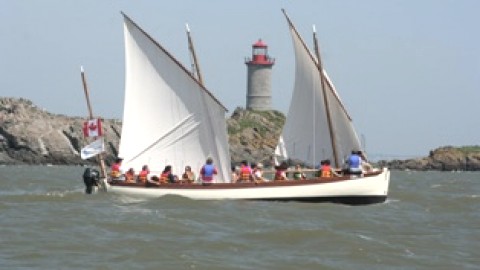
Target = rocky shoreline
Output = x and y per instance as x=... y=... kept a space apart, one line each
x=448 y=158
x=30 y=135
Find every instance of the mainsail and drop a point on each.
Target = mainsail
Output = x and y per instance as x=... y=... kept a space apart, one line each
x=169 y=117
x=307 y=134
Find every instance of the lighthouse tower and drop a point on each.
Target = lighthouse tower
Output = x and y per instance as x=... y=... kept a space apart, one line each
x=259 y=92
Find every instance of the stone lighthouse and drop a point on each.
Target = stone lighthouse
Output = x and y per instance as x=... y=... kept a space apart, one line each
x=259 y=89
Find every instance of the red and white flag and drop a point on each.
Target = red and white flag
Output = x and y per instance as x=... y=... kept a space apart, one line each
x=92 y=128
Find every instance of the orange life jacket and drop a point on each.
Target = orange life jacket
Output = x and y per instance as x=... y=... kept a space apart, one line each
x=164 y=177
x=326 y=171
x=115 y=174
x=129 y=177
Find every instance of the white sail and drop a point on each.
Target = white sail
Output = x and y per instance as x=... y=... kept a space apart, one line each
x=306 y=134
x=169 y=118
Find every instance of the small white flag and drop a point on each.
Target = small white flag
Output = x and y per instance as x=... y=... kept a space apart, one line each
x=93 y=149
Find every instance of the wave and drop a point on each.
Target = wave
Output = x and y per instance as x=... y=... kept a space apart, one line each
x=21 y=195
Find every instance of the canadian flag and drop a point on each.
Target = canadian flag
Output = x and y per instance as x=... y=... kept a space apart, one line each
x=92 y=128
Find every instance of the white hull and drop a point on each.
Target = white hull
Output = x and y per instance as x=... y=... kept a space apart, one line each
x=372 y=188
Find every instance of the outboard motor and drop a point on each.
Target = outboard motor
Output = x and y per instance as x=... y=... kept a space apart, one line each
x=91 y=178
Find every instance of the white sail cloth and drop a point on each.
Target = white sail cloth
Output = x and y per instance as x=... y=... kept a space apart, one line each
x=306 y=134
x=169 y=118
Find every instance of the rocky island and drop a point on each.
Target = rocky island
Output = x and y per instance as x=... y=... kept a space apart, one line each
x=31 y=135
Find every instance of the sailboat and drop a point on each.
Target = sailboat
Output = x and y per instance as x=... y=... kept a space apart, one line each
x=170 y=118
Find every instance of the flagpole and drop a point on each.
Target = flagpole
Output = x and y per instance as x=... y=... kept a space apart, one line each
x=103 y=172
x=194 y=56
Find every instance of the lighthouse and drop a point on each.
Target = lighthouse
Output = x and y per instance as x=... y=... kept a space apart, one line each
x=259 y=90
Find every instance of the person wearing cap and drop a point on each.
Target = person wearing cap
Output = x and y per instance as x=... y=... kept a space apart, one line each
x=258 y=173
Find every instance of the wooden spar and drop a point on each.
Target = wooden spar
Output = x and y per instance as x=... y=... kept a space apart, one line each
x=160 y=47
x=325 y=98
x=100 y=160
x=196 y=66
x=85 y=89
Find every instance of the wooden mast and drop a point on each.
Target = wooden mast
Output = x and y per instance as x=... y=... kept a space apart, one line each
x=325 y=98
x=101 y=162
x=196 y=66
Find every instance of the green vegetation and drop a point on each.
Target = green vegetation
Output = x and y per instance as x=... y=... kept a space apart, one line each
x=274 y=117
x=469 y=149
x=261 y=122
x=462 y=150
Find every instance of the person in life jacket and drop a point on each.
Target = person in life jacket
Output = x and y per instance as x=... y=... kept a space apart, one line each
x=166 y=176
x=298 y=173
x=208 y=171
x=116 y=170
x=281 y=172
x=143 y=174
x=354 y=162
x=130 y=176
x=246 y=174
x=326 y=170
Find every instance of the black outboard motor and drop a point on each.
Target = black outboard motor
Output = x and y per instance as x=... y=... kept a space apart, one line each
x=91 y=178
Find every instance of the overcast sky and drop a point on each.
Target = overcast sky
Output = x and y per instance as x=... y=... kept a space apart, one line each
x=408 y=71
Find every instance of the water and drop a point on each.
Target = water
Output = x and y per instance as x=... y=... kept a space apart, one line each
x=430 y=221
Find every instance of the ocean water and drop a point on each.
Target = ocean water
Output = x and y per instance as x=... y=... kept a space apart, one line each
x=430 y=221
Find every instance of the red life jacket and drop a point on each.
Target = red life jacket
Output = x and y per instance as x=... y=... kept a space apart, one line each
x=245 y=173
x=115 y=170
x=279 y=175
x=142 y=176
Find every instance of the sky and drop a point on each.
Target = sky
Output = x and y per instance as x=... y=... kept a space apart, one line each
x=407 y=71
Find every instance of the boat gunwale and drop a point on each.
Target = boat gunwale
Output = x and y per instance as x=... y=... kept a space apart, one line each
x=242 y=185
